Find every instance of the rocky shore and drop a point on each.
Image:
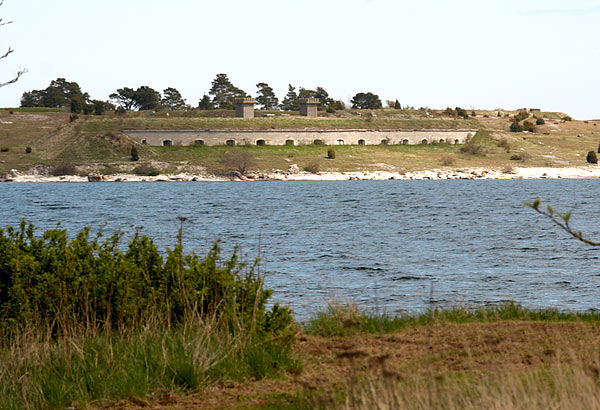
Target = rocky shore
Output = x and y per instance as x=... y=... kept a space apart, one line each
x=278 y=175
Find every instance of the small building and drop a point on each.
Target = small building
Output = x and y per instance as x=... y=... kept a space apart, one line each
x=244 y=107
x=308 y=106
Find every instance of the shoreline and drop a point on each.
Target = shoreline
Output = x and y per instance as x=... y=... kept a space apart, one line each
x=278 y=175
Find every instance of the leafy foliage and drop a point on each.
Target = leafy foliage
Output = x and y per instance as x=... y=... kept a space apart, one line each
x=367 y=100
x=290 y=102
x=60 y=283
x=239 y=159
x=224 y=92
x=592 y=157
x=266 y=97
x=172 y=99
x=59 y=94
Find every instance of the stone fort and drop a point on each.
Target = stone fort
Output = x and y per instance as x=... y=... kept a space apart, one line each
x=244 y=108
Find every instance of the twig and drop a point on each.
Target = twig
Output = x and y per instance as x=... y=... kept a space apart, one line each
x=561 y=220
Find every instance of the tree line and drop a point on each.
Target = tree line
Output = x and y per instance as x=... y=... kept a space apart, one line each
x=65 y=94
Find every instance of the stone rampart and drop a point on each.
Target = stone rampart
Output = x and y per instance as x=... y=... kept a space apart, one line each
x=300 y=137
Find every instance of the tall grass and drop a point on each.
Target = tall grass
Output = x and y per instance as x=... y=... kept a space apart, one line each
x=82 y=321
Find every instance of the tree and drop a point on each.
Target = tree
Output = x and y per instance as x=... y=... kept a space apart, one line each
x=266 y=98
x=172 y=99
x=397 y=105
x=224 y=92
x=290 y=102
x=59 y=94
x=325 y=101
x=146 y=98
x=124 y=97
x=8 y=52
x=366 y=101
x=205 y=103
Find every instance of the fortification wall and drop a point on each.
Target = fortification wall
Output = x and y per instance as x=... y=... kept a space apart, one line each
x=299 y=137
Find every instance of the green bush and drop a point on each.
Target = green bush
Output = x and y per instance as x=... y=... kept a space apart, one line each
x=146 y=170
x=60 y=283
x=540 y=121
x=28 y=150
x=591 y=157
x=567 y=118
x=73 y=117
x=331 y=153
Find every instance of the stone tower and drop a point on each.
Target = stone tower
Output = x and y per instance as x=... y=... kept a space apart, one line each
x=308 y=106
x=244 y=107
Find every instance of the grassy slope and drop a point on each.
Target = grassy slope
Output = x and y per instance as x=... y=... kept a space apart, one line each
x=94 y=140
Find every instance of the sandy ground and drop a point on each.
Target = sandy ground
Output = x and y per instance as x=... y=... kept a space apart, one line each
x=277 y=175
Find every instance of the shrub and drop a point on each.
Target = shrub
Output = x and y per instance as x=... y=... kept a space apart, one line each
x=598 y=148
x=521 y=115
x=522 y=156
x=4 y=149
x=146 y=170
x=591 y=157
x=508 y=170
x=331 y=153
x=503 y=143
x=63 y=169
x=238 y=159
x=73 y=117
x=28 y=150
x=567 y=118
x=330 y=109
x=448 y=159
x=515 y=126
x=528 y=126
x=97 y=282
x=312 y=167
x=472 y=148
x=134 y=153
x=540 y=121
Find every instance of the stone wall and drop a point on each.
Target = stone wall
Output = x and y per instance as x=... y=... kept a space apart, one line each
x=299 y=137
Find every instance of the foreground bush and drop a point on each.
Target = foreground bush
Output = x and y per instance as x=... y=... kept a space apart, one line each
x=59 y=283
x=82 y=321
x=592 y=157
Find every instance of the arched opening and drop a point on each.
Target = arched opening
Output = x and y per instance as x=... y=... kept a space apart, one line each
x=144 y=142
x=290 y=142
x=405 y=142
x=199 y=142
x=424 y=142
x=340 y=141
x=167 y=143
x=456 y=142
x=385 y=141
x=261 y=142
x=231 y=143
x=318 y=142
x=442 y=141
x=362 y=142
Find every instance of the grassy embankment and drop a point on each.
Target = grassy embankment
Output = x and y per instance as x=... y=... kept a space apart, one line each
x=86 y=325
x=95 y=144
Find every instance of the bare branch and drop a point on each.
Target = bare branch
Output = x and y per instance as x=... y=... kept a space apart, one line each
x=15 y=78
x=561 y=220
x=10 y=50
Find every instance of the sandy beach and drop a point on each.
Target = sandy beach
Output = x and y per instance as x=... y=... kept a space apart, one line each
x=278 y=175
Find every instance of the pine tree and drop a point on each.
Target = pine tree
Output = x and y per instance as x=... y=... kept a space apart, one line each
x=290 y=102
x=266 y=97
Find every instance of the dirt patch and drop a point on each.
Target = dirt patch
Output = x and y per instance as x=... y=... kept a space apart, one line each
x=439 y=349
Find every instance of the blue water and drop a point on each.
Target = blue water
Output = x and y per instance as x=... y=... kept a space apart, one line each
x=380 y=244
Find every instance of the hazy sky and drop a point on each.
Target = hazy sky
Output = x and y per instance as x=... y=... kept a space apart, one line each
x=434 y=53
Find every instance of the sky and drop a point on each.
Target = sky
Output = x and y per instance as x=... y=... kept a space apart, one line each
x=429 y=53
